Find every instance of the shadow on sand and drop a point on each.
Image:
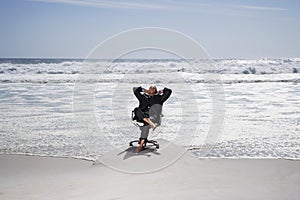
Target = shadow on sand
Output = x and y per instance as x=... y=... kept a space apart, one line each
x=131 y=152
x=150 y=159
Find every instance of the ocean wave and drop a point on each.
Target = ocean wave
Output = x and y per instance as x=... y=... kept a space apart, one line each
x=146 y=66
x=182 y=77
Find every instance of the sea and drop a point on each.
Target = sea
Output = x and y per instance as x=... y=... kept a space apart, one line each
x=40 y=115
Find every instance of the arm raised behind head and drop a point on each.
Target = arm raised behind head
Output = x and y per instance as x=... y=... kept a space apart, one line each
x=137 y=92
x=166 y=94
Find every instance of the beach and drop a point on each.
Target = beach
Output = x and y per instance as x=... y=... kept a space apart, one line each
x=34 y=177
x=218 y=82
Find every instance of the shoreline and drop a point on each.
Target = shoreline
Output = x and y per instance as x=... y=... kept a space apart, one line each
x=200 y=158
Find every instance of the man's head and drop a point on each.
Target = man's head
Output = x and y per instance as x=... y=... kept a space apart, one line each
x=152 y=90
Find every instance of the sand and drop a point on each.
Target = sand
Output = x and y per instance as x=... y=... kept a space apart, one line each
x=33 y=177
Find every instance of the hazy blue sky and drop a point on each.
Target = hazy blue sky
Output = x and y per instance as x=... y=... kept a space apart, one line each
x=226 y=28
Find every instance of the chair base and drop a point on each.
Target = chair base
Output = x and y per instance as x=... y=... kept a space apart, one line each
x=148 y=143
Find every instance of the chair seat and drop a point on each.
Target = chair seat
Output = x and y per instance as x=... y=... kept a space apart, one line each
x=138 y=124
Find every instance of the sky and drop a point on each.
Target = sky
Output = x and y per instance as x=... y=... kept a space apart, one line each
x=225 y=28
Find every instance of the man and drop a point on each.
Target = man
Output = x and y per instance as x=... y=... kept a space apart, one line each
x=150 y=108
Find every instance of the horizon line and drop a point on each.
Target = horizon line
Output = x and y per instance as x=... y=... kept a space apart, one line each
x=139 y=58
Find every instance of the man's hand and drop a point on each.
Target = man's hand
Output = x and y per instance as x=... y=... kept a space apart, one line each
x=160 y=91
x=145 y=90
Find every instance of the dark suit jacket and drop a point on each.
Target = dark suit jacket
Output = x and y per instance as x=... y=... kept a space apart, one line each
x=146 y=101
